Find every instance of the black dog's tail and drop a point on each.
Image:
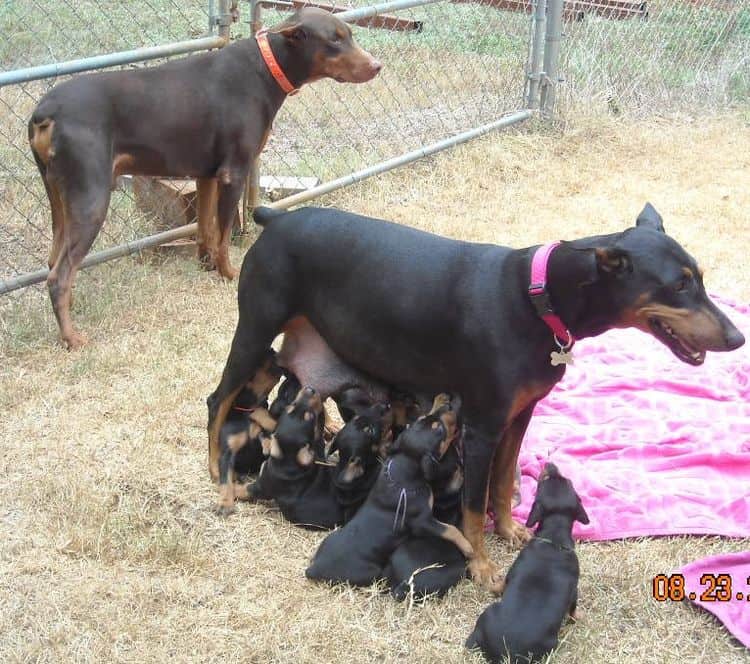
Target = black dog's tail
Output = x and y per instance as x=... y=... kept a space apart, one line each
x=265 y=215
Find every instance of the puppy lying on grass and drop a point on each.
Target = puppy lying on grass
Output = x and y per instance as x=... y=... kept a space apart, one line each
x=399 y=505
x=541 y=587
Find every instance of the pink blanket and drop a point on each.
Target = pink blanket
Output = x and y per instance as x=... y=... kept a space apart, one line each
x=734 y=587
x=653 y=446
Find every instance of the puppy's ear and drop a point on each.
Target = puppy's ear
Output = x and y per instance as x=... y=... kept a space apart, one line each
x=612 y=261
x=581 y=513
x=650 y=218
x=535 y=515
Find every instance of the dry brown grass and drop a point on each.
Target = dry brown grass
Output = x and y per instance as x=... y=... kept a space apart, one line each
x=109 y=550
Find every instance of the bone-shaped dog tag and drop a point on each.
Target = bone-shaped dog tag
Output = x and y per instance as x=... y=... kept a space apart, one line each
x=560 y=357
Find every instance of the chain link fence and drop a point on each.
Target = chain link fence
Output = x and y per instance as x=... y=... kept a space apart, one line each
x=656 y=57
x=449 y=67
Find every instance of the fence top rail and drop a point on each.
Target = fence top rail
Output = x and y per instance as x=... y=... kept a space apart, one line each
x=108 y=60
x=177 y=48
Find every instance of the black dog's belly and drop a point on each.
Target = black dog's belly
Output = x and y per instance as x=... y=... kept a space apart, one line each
x=358 y=552
x=418 y=553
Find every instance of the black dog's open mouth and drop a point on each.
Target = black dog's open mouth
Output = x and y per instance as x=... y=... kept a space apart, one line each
x=681 y=348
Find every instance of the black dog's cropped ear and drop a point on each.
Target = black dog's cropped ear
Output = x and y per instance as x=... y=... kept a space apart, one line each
x=581 y=513
x=650 y=218
x=612 y=261
x=535 y=515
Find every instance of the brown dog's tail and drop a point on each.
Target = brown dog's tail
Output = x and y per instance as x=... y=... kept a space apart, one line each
x=265 y=215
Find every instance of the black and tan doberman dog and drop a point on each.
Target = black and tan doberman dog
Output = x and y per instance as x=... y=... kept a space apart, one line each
x=399 y=505
x=541 y=587
x=205 y=117
x=426 y=313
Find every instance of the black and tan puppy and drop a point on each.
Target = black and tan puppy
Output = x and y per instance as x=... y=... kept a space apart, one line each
x=240 y=436
x=302 y=489
x=541 y=587
x=361 y=445
x=288 y=391
x=259 y=421
x=399 y=506
x=432 y=565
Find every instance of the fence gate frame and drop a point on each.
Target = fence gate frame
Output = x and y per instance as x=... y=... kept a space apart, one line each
x=540 y=80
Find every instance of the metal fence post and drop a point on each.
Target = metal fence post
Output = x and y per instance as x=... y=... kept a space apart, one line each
x=551 y=55
x=224 y=19
x=537 y=50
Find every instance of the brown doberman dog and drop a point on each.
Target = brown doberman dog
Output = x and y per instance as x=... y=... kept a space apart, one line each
x=206 y=117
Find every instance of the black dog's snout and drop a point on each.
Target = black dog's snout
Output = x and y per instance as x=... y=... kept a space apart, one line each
x=734 y=339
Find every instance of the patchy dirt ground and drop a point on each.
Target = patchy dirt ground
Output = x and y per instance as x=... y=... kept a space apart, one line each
x=109 y=550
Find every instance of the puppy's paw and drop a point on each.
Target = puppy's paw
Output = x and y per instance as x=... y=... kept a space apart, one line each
x=578 y=615
x=225 y=510
x=516 y=533
x=487 y=573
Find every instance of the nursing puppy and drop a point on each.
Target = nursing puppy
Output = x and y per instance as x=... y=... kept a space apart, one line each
x=431 y=565
x=361 y=445
x=399 y=505
x=302 y=489
x=541 y=587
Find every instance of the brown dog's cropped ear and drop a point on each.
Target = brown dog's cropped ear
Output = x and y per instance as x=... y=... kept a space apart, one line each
x=581 y=513
x=650 y=218
x=535 y=515
x=613 y=261
x=294 y=32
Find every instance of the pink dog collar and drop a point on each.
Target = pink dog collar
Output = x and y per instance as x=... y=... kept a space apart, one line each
x=540 y=297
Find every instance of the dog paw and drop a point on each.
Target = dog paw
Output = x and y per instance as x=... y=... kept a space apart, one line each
x=222 y=509
x=75 y=340
x=516 y=533
x=228 y=272
x=577 y=615
x=487 y=574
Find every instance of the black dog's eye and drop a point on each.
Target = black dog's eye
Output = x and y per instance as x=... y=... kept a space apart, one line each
x=682 y=284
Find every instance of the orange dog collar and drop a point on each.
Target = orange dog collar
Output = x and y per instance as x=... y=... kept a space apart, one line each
x=273 y=66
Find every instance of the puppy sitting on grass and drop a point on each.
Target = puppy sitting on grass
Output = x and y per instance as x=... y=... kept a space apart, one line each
x=541 y=587
x=432 y=565
x=399 y=505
